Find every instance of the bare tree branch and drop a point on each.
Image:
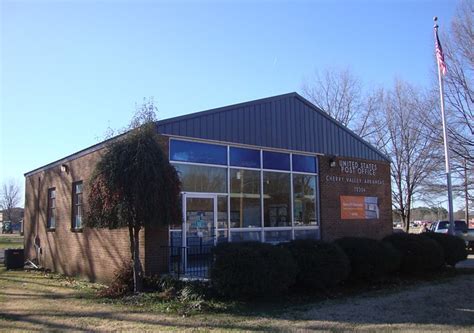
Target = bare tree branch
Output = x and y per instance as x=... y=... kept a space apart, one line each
x=10 y=198
x=400 y=134
x=339 y=94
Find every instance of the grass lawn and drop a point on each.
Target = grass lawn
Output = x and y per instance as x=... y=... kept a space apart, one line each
x=12 y=241
x=38 y=301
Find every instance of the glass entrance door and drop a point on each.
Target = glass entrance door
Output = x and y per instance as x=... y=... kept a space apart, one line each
x=200 y=221
x=199 y=232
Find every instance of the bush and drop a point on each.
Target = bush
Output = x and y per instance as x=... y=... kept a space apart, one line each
x=419 y=253
x=393 y=258
x=454 y=247
x=370 y=259
x=320 y=264
x=152 y=282
x=250 y=269
x=121 y=284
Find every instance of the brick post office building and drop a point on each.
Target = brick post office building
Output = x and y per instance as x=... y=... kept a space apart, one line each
x=269 y=170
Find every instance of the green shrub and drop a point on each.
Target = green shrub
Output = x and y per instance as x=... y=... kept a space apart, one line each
x=454 y=247
x=393 y=258
x=419 y=253
x=250 y=269
x=370 y=259
x=320 y=264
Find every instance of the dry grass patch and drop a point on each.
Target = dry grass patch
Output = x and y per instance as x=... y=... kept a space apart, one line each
x=37 y=301
x=11 y=241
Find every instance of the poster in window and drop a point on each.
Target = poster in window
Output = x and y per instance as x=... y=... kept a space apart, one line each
x=359 y=208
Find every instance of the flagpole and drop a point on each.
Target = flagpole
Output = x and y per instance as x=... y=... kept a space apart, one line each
x=445 y=138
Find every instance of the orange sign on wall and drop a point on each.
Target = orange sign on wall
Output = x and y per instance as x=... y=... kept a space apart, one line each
x=352 y=207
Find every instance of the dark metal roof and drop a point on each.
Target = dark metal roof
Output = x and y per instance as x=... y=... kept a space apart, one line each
x=286 y=121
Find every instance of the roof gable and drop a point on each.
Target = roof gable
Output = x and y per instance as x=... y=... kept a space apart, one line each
x=286 y=121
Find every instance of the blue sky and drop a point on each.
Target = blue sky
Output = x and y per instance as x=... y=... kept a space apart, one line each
x=70 y=69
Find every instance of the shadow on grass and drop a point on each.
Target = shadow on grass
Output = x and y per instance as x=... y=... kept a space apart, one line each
x=37 y=319
x=309 y=310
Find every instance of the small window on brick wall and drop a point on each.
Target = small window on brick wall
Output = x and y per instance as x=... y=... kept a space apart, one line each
x=51 y=216
x=77 y=205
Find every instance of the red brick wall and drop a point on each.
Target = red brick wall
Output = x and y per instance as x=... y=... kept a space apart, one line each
x=93 y=253
x=356 y=179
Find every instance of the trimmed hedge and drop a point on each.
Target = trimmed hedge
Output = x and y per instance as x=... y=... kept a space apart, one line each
x=454 y=247
x=393 y=258
x=320 y=264
x=370 y=259
x=419 y=253
x=251 y=269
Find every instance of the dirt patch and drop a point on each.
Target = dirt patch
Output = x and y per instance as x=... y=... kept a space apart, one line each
x=34 y=301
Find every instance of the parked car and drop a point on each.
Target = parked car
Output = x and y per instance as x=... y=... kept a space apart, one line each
x=460 y=229
x=443 y=227
x=469 y=239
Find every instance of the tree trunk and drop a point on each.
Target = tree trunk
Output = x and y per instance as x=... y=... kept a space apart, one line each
x=408 y=221
x=130 y=235
x=137 y=267
x=466 y=194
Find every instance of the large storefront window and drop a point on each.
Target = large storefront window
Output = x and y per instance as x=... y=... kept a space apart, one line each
x=304 y=200
x=197 y=178
x=276 y=161
x=242 y=157
x=197 y=152
x=222 y=212
x=303 y=163
x=245 y=209
x=276 y=199
x=257 y=194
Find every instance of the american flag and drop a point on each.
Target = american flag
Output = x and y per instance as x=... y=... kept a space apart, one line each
x=439 y=54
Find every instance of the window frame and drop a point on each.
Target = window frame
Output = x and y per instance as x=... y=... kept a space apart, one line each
x=51 y=209
x=75 y=205
x=261 y=169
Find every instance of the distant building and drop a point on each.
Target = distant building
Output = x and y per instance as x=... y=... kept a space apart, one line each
x=16 y=219
x=269 y=170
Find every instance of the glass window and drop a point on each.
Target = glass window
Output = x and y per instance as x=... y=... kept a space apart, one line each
x=243 y=157
x=175 y=238
x=245 y=208
x=246 y=236
x=221 y=212
x=222 y=236
x=307 y=234
x=197 y=178
x=304 y=200
x=276 y=161
x=276 y=199
x=186 y=151
x=199 y=221
x=277 y=236
x=51 y=219
x=304 y=163
x=77 y=205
